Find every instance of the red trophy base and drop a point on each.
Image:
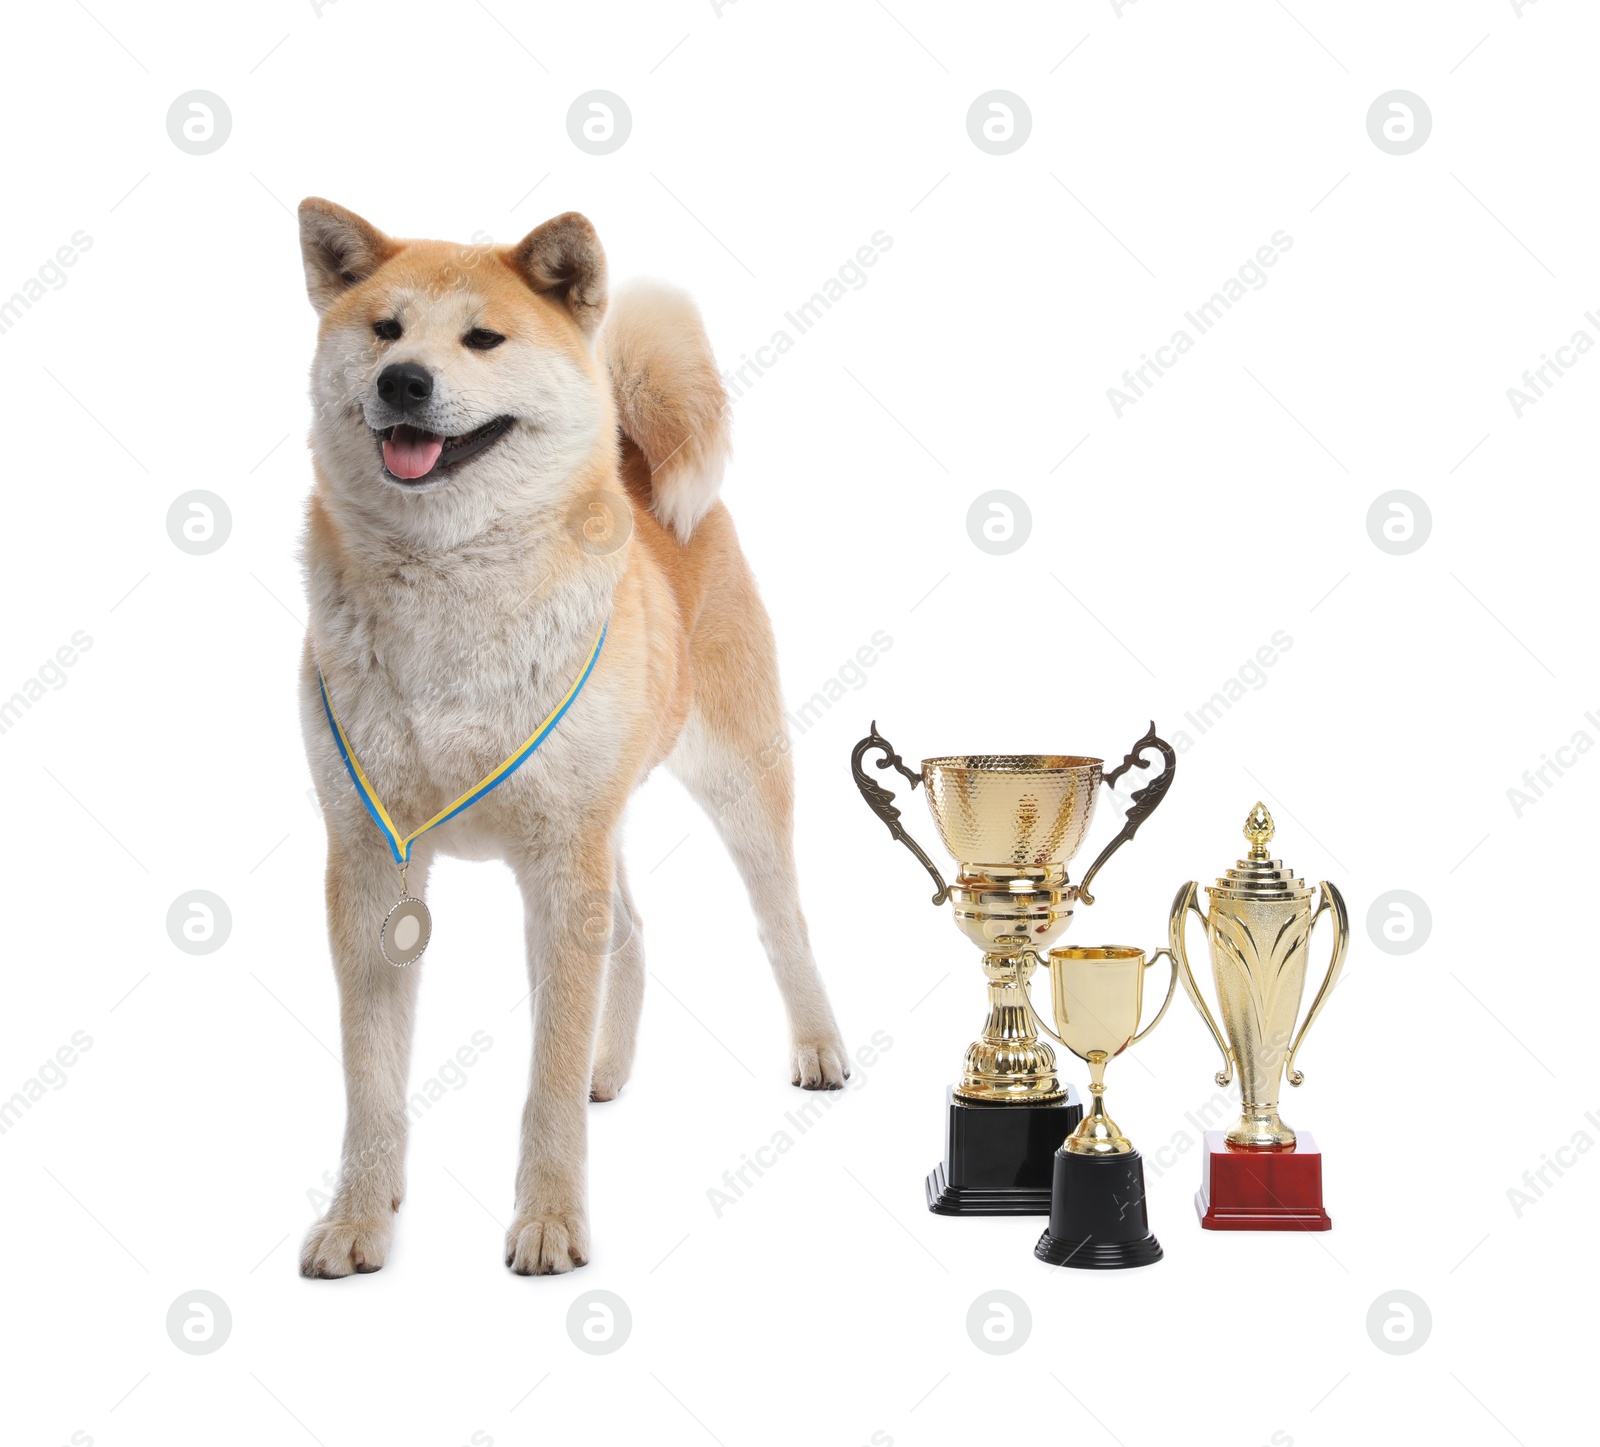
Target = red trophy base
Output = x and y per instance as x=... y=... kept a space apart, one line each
x=1262 y=1190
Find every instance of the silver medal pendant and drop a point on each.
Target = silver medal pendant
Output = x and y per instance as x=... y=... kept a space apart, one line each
x=406 y=931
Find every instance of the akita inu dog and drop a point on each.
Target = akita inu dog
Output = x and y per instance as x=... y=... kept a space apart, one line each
x=501 y=468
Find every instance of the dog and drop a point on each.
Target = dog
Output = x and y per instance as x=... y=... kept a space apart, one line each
x=507 y=462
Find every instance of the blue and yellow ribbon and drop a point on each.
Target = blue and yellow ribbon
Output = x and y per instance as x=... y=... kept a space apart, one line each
x=400 y=844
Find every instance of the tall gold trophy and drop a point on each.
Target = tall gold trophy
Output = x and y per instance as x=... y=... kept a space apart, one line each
x=1014 y=822
x=1260 y=1175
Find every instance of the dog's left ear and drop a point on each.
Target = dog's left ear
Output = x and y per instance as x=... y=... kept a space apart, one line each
x=339 y=249
x=563 y=260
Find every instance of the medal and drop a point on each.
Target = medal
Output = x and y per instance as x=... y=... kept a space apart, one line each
x=408 y=926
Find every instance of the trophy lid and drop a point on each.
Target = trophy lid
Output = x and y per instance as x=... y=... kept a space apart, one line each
x=1258 y=876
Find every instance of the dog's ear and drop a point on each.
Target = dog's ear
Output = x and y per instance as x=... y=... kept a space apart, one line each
x=339 y=249
x=563 y=260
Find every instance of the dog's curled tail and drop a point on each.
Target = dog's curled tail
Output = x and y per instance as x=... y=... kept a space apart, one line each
x=670 y=398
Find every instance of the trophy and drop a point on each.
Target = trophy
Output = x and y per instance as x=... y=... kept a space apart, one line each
x=1261 y=1175
x=1097 y=1213
x=1014 y=822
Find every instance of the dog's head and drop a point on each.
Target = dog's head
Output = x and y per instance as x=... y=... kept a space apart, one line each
x=462 y=374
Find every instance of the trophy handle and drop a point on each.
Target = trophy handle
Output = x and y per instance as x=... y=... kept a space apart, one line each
x=1172 y=985
x=1144 y=800
x=1187 y=899
x=1038 y=1020
x=881 y=801
x=1334 y=901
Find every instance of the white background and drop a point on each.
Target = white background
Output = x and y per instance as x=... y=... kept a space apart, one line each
x=768 y=143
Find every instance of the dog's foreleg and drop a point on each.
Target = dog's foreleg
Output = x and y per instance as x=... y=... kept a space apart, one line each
x=551 y=1230
x=376 y=1009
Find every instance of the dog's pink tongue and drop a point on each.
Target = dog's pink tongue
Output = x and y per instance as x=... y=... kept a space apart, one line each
x=410 y=453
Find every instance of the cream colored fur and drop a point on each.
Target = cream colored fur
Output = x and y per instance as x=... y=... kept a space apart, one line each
x=450 y=614
x=670 y=399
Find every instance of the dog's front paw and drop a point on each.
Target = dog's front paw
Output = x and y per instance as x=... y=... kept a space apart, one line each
x=547 y=1243
x=337 y=1246
x=818 y=1063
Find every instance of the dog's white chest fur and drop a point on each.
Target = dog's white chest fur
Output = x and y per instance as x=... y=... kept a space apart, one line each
x=439 y=671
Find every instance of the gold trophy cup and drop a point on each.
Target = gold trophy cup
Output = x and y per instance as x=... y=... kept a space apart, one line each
x=1014 y=822
x=1261 y=1175
x=1097 y=1212
x=1098 y=995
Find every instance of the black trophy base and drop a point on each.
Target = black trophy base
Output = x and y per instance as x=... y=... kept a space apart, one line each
x=1098 y=1220
x=999 y=1159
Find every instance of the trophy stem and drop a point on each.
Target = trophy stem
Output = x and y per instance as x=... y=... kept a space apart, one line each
x=1260 y=1128
x=1009 y=1062
x=1097 y=1134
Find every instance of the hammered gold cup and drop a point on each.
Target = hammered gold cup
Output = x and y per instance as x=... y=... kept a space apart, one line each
x=1097 y=997
x=1017 y=811
x=1014 y=822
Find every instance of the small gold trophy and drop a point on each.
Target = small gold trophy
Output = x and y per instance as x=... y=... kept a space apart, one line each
x=1098 y=995
x=1260 y=1176
x=1014 y=822
x=1097 y=1212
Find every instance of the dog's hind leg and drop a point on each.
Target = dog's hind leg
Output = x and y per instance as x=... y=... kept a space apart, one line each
x=733 y=757
x=623 y=999
x=747 y=787
x=377 y=1004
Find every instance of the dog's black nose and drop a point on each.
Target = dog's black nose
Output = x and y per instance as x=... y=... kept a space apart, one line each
x=405 y=385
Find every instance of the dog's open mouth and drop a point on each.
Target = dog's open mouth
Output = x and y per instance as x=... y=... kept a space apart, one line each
x=411 y=454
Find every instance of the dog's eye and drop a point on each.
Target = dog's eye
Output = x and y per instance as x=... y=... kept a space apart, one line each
x=481 y=339
x=388 y=331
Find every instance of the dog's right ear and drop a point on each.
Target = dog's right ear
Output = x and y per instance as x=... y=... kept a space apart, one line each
x=339 y=250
